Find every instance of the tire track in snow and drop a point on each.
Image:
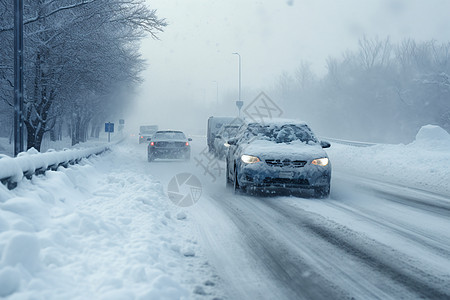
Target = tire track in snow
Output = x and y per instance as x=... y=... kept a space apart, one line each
x=439 y=208
x=380 y=258
x=409 y=196
x=416 y=235
x=297 y=277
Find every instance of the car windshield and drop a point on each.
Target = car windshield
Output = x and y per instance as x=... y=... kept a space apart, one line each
x=169 y=135
x=282 y=134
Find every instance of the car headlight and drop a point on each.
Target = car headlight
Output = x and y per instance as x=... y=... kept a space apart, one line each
x=320 y=162
x=249 y=159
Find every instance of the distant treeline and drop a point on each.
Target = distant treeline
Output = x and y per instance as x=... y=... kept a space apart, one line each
x=381 y=92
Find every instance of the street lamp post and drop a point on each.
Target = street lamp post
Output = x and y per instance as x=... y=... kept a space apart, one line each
x=239 y=103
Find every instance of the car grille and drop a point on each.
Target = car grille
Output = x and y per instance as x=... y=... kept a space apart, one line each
x=170 y=144
x=288 y=181
x=286 y=163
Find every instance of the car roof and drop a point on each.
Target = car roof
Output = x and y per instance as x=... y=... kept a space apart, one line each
x=161 y=131
x=278 y=122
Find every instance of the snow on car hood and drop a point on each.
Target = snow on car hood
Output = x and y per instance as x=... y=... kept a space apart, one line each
x=294 y=151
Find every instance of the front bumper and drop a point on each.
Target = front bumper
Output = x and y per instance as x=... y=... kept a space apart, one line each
x=278 y=178
x=157 y=152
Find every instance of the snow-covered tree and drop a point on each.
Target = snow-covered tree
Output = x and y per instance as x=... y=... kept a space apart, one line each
x=381 y=92
x=78 y=55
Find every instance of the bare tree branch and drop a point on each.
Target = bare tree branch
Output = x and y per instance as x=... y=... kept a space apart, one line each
x=55 y=11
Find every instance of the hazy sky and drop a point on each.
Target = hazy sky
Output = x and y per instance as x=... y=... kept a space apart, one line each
x=271 y=36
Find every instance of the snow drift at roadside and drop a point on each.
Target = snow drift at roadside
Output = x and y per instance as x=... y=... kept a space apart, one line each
x=424 y=163
x=95 y=231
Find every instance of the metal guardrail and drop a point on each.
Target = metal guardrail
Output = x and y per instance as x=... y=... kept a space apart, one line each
x=350 y=143
x=27 y=164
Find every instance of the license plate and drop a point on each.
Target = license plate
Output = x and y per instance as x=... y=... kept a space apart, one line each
x=286 y=174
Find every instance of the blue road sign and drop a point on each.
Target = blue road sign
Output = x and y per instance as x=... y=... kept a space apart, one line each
x=109 y=127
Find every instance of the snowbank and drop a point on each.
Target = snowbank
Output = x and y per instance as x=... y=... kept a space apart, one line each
x=95 y=231
x=7 y=148
x=30 y=162
x=433 y=138
x=424 y=163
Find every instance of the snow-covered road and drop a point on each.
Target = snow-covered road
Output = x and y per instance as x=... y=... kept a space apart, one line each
x=369 y=240
x=106 y=229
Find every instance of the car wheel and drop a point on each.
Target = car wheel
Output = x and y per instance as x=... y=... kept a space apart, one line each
x=237 y=188
x=150 y=158
x=322 y=192
x=227 y=175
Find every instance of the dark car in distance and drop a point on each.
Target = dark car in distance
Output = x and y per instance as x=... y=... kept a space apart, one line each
x=169 y=144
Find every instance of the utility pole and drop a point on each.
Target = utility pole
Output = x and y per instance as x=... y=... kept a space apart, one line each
x=18 y=77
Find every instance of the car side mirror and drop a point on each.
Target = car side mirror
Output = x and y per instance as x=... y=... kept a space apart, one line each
x=189 y=139
x=325 y=144
x=232 y=142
